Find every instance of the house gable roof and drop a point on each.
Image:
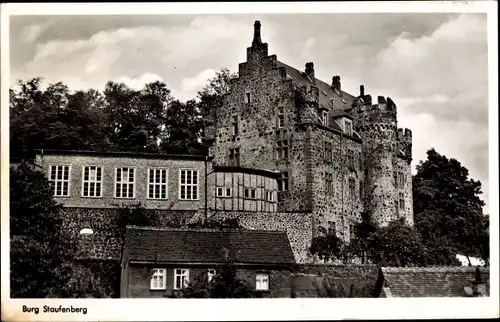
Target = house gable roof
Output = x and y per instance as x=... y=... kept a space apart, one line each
x=443 y=281
x=208 y=246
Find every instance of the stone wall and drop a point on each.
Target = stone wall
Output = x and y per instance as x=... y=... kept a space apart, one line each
x=297 y=225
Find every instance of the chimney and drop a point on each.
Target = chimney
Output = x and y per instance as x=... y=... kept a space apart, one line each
x=256 y=34
x=310 y=70
x=478 y=286
x=362 y=91
x=336 y=82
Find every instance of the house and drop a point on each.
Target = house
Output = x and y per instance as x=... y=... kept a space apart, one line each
x=442 y=281
x=158 y=261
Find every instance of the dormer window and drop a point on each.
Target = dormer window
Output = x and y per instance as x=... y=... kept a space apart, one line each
x=348 y=127
x=324 y=118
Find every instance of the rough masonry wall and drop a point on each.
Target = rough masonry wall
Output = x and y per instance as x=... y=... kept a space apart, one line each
x=404 y=166
x=297 y=225
x=270 y=91
x=338 y=205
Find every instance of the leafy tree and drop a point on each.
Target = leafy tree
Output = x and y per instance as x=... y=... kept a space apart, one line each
x=40 y=248
x=364 y=230
x=397 y=244
x=135 y=215
x=225 y=284
x=327 y=247
x=448 y=209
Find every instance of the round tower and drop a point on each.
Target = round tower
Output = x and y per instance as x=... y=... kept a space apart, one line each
x=377 y=125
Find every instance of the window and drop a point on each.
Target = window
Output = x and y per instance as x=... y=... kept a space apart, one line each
x=157 y=183
x=235 y=125
x=350 y=158
x=352 y=232
x=247 y=97
x=401 y=201
x=324 y=118
x=92 y=181
x=223 y=192
x=210 y=274
x=250 y=193
x=352 y=187
x=282 y=149
x=181 y=278
x=59 y=180
x=329 y=183
x=348 y=127
x=283 y=182
x=188 y=185
x=269 y=195
x=234 y=157
x=159 y=279
x=124 y=182
x=281 y=117
x=328 y=152
x=331 y=228
x=262 y=282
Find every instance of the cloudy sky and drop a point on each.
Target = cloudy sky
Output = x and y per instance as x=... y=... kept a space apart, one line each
x=433 y=65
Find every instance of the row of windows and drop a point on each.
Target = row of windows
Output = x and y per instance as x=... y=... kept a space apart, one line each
x=331 y=230
x=248 y=193
x=125 y=181
x=181 y=279
x=329 y=185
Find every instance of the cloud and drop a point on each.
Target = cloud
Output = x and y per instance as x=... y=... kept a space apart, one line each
x=138 y=82
x=191 y=85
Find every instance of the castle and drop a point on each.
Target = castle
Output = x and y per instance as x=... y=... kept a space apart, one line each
x=288 y=152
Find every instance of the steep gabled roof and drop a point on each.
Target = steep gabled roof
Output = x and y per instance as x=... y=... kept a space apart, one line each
x=341 y=99
x=446 y=281
x=208 y=246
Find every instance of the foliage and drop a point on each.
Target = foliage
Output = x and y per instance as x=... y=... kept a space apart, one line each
x=327 y=247
x=225 y=284
x=135 y=215
x=448 y=209
x=360 y=245
x=228 y=223
x=39 y=245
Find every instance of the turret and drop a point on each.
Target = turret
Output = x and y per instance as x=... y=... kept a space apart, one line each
x=405 y=141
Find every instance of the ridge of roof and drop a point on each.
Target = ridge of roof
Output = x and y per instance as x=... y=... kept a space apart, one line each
x=187 y=229
x=432 y=269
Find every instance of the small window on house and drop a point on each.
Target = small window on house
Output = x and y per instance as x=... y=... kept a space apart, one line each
x=220 y=192
x=282 y=149
x=350 y=158
x=329 y=183
x=283 y=181
x=269 y=195
x=188 y=185
x=262 y=282
x=92 y=181
x=210 y=274
x=157 y=184
x=324 y=118
x=234 y=123
x=250 y=193
x=401 y=201
x=159 y=279
x=234 y=157
x=181 y=278
x=125 y=183
x=331 y=228
x=281 y=117
x=348 y=127
x=59 y=180
x=248 y=98
x=228 y=192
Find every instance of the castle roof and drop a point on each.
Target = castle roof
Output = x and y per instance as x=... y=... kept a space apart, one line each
x=195 y=246
x=329 y=97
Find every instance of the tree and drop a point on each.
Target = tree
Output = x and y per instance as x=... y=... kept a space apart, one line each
x=225 y=284
x=40 y=248
x=397 y=244
x=327 y=247
x=448 y=209
x=359 y=246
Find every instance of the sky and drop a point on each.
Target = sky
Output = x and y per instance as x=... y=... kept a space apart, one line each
x=433 y=65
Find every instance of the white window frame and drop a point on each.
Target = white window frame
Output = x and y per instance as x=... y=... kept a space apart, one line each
x=282 y=180
x=62 y=181
x=197 y=185
x=157 y=185
x=127 y=182
x=158 y=272
x=282 y=149
x=250 y=190
x=324 y=118
x=89 y=181
x=262 y=282
x=183 y=274
x=346 y=122
x=248 y=97
x=270 y=195
x=211 y=273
